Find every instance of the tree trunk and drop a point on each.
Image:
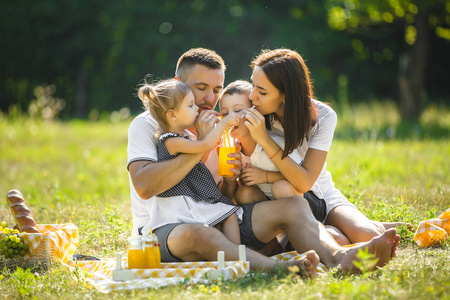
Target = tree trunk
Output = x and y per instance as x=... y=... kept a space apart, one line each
x=412 y=72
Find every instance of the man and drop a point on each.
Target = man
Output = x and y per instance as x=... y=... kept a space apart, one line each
x=203 y=71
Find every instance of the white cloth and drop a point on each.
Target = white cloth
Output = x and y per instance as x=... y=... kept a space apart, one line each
x=321 y=139
x=153 y=212
x=261 y=160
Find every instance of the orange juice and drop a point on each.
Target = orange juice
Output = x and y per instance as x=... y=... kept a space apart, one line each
x=136 y=259
x=158 y=256
x=152 y=254
x=224 y=167
x=150 y=257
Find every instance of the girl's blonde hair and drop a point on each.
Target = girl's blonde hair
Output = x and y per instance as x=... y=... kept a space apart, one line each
x=162 y=96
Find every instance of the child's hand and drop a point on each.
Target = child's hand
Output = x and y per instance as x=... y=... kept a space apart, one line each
x=252 y=176
x=232 y=119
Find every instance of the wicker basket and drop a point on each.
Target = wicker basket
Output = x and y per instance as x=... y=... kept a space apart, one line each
x=55 y=242
x=43 y=257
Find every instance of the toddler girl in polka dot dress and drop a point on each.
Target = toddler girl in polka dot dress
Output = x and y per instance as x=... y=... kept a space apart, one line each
x=196 y=198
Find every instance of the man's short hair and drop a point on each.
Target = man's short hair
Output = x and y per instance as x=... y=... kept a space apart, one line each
x=198 y=56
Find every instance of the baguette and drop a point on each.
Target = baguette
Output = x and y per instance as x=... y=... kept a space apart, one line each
x=21 y=213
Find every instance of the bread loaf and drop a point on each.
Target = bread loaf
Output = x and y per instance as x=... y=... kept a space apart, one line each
x=21 y=212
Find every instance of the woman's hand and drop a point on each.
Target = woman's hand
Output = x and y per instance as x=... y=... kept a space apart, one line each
x=252 y=176
x=256 y=124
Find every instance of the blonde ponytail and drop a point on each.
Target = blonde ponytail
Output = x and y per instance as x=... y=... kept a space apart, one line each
x=158 y=98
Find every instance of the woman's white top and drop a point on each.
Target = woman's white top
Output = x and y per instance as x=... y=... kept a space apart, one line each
x=321 y=138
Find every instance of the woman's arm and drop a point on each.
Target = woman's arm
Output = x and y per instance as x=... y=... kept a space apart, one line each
x=301 y=177
x=254 y=175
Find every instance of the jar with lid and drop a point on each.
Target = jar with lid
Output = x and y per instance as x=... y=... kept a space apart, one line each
x=136 y=256
x=151 y=252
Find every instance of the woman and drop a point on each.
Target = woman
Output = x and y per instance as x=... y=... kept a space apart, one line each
x=283 y=103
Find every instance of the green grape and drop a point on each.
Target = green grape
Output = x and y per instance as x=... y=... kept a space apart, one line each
x=4 y=224
x=21 y=245
x=1 y=251
x=5 y=248
x=9 y=244
x=15 y=245
x=25 y=246
x=10 y=250
x=6 y=238
x=17 y=240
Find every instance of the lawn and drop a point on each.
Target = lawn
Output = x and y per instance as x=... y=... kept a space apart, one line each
x=75 y=172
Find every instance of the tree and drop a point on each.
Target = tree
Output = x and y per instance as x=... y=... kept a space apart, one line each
x=416 y=19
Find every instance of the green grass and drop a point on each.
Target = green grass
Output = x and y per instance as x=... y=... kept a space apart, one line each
x=76 y=172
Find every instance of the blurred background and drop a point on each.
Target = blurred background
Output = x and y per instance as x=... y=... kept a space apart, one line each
x=84 y=59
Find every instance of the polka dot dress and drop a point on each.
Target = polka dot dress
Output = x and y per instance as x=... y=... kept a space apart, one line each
x=198 y=184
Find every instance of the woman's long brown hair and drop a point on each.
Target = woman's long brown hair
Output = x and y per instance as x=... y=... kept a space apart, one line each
x=287 y=71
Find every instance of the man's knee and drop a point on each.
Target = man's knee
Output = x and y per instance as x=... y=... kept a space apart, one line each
x=297 y=207
x=194 y=235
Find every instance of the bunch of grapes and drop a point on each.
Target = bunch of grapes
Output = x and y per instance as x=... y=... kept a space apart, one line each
x=11 y=245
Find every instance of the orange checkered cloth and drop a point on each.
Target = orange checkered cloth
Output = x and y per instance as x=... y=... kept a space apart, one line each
x=99 y=273
x=432 y=232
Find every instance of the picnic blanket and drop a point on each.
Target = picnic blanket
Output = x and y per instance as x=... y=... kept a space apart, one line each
x=432 y=232
x=99 y=273
x=58 y=242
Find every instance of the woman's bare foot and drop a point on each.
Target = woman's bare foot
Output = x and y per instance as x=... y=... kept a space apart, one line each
x=396 y=225
x=306 y=266
x=383 y=247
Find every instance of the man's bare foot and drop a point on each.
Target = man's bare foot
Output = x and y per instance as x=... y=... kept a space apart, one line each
x=306 y=266
x=383 y=247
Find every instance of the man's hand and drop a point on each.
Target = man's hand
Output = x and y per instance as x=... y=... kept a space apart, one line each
x=205 y=122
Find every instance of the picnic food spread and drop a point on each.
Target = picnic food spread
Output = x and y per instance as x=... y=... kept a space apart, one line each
x=21 y=212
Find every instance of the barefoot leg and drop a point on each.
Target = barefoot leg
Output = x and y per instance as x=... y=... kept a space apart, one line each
x=383 y=247
x=340 y=237
x=389 y=225
x=308 y=265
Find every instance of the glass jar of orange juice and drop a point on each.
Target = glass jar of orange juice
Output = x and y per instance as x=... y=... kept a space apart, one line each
x=136 y=256
x=152 y=252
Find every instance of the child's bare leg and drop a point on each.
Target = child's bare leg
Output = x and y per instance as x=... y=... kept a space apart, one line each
x=248 y=194
x=283 y=189
x=230 y=229
x=340 y=238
